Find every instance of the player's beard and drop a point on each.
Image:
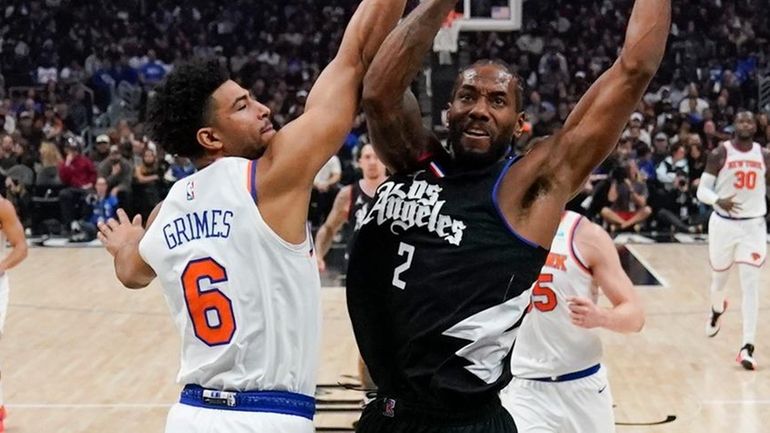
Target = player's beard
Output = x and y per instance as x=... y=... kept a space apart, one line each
x=498 y=148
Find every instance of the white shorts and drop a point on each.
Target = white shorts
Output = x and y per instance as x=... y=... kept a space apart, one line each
x=183 y=418
x=4 y=290
x=736 y=241
x=577 y=406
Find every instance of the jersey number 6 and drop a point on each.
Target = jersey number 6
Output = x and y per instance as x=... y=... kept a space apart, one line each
x=211 y=311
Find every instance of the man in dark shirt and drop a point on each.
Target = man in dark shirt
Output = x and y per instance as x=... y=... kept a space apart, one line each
x=439 y=275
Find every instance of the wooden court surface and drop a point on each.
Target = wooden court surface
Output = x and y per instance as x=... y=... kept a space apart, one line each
x=82 y=354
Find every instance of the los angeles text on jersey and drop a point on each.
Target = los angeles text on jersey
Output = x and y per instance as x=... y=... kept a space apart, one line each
x=210 y=223
x=419 y=206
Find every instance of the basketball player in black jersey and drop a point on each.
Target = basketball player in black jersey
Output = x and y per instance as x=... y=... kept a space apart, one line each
x=351 y=206
x=439 y=275
x=351 y=203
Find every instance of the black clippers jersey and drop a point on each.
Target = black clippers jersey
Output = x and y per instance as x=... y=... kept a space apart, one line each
x=437 y=286
x=360 y=203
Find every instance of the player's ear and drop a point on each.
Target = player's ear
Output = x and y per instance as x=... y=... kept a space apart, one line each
x=209 y=138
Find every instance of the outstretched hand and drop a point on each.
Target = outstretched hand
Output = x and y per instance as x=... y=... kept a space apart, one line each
x=116 y=234
x=584 y=313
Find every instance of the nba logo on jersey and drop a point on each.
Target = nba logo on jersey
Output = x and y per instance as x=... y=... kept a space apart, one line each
x=191 y=190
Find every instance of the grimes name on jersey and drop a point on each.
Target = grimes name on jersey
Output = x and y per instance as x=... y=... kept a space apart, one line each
x=209 y=223
x=418 y=207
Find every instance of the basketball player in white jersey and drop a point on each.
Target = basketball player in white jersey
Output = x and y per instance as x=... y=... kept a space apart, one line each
x=351 y=205
x=11 y=231
x=734 y=183
x=559 y=384
x=230 y=244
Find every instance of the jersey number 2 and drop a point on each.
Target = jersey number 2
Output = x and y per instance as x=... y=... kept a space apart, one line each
x=211 y=311
x=408 y=250
x=546 y=296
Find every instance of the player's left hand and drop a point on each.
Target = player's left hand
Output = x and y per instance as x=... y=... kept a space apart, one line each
x=584 y=313
x=115 y=234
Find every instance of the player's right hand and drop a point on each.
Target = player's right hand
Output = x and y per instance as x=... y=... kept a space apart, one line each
x=116 y=234
x=728 y=204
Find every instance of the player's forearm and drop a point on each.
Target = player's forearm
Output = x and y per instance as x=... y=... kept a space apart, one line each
x=16 y=256
x=646 y=37
x=323 y=240
x=400 y=57
x=625 y=318
x=131 y=269
x=369 y=26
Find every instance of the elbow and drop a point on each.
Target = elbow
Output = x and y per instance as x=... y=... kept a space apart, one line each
x=639 y=68
x=639 y=320
x=129 y=281
x=373 y=100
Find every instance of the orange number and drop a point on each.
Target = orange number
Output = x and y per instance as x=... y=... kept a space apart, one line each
x=745 y=179
x=202 y=305
x=541 y=289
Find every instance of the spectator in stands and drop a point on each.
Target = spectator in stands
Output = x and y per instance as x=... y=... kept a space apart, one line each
x=119 y=173
x=674 y=165
x=627 y=198
x=7 y=121
x=8 y=157
x=645 y=163
x=693 y=105
x=696 y=159
x=153 y=71
x=53 y=127
x=677 y=205
x=147 y=183
x=47 y=171
x=179 y=168
x=636 y=130
x=78 y=175
x=103 y=206
x=101 y=149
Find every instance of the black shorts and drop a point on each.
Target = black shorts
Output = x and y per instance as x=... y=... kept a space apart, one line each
x=396 y=416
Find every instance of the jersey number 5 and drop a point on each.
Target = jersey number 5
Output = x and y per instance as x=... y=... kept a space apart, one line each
x=546 y=298
x=210 y=310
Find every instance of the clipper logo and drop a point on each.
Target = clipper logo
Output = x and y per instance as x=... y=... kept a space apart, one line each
x=419 y=206
x=191 y=190
x=360 y=215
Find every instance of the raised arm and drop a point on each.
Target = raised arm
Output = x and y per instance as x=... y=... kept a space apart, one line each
x=304 y=145
x=392 y=112
x=595 y=125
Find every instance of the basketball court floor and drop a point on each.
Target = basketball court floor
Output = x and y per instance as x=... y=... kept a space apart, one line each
x=82 y=354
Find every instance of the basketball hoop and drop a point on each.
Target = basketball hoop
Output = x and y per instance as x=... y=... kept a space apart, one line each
x=445 y=43
x=446 y=38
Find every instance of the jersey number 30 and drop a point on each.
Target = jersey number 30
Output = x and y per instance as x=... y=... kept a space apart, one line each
x=210 y=310
x=745 y=179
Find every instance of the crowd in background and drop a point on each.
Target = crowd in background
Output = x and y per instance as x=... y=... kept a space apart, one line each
x=75 y=77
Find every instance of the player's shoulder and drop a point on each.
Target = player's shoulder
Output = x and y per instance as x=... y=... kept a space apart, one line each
x=591 y=233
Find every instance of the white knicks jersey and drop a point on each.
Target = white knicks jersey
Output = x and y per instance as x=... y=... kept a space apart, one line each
x=548 y=343
x=246 y=303
x=743 y=175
